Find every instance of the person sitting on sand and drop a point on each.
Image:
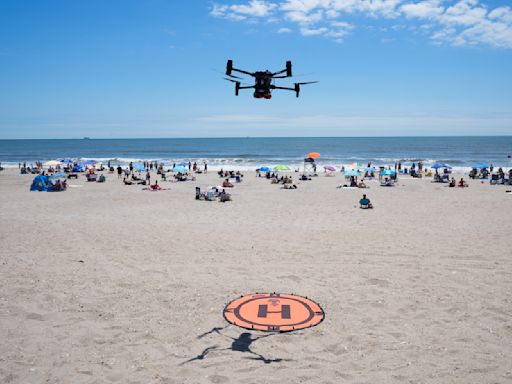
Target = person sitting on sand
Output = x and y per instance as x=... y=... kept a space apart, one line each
x=353 y=182
x=462 y=183
x=365 y=203
x=127 y=182
x=224 y=196
x=227 y=184
x=361 y=184
x=155 y=187
x=453 y=183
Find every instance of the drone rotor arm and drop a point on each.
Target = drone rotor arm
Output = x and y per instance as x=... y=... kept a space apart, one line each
x=242 y=71
x=286 y=88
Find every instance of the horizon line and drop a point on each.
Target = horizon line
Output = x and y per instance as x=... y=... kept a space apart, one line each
x=252 y=137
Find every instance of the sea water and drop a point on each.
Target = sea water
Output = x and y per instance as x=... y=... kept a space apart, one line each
x=250 y=153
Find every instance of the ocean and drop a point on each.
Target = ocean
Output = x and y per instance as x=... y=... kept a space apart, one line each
x=250 y=153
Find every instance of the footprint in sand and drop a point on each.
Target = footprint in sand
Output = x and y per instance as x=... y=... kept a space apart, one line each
x=217 y=379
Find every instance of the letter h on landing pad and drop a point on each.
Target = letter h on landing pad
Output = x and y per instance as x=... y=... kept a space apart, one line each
x=285 y=311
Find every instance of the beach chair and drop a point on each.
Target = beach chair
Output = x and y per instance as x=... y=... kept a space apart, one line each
x=387 y=183
x=210 y=195
x=91 y=177
x=199 y=195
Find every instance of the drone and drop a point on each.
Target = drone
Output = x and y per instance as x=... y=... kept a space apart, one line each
x=263 y=80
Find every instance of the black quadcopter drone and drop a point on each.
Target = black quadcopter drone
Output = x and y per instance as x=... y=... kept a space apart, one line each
x=263 y=81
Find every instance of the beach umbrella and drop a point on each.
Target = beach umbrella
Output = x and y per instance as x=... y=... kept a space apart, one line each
x=329 y=168
x=480 y=166
x=439 y=165
x=183 y=163
x=179 y=168
x=370 y=169
x=313 y=155
x=52 y=163
x=281 y=168
x=387 y=172
x=59 y=175
x=352 y=173
x=66 y=161
x=265 y=169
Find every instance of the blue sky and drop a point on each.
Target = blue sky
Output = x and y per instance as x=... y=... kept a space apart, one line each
x=147 y=68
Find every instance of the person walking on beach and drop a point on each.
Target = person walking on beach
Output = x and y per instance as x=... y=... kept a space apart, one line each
x=148 y=178
x=205 y=167
x=189 y=165
x=119 y=171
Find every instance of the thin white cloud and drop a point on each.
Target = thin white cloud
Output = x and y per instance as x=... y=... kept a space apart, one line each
x=456 y=22
x=284 y=30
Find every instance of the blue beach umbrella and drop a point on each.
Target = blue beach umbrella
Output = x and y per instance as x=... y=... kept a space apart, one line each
x=179 y=168
x=59 y=175
x=265 y=169
x=370 y=169
x=439 y=165
x=352 y=173
x=480 y=166
x=387 y=172
x=183 y=164
x=66 y=161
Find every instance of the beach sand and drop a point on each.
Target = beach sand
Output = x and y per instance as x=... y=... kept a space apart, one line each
x=107 y=283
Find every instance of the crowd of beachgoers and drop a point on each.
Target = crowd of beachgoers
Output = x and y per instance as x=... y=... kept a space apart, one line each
x=151 y=175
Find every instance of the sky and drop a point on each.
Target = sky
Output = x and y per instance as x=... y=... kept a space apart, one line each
x=154 y=68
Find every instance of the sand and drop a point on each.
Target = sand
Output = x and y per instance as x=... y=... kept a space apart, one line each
x=107 y=283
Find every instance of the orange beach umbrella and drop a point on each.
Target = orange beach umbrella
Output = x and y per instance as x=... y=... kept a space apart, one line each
x=313 y=155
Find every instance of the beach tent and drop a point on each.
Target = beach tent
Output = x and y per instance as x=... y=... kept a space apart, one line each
x=387 y=172
x=78 y=168
x=40 y=183
x=281 y=168
x=480 y=166
x=138 y=167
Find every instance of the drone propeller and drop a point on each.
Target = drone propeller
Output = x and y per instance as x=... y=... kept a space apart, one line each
x=222 y=73
x=234 y=81
x=236 y=77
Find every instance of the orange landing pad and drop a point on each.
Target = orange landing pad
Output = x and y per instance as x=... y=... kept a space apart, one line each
x=273 y=312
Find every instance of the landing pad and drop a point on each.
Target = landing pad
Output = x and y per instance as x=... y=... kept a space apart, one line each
x=274 y=312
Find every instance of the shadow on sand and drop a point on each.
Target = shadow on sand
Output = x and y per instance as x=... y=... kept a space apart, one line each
x=242 y=343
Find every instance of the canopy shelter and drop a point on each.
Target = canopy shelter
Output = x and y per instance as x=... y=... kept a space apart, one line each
x=179 y=168
x=352 y=173
x=52 y=163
